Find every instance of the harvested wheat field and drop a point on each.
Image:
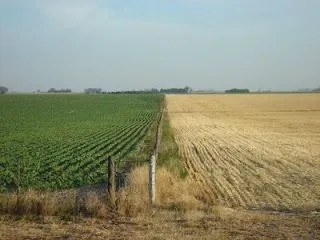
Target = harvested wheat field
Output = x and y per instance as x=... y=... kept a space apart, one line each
x=257 y=151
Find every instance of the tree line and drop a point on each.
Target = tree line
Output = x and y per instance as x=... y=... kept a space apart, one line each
x=238 y=90
x=53 y=90
x=184 y=90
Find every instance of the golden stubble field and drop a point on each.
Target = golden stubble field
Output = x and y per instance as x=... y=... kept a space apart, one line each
x=252 y=151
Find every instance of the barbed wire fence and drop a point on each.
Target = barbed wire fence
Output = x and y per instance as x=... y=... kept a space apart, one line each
x=117 y=175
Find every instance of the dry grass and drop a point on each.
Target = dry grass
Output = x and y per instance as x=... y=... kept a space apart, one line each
x=37 y=203
x=171 y=193
x=218 y=223
x=251 y=151
x=177 y=215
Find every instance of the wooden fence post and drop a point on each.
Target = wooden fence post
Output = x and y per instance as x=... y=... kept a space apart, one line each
x=111 y=182
x=152 y=180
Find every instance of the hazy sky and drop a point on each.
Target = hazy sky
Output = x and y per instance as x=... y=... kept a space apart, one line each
x=137 y=44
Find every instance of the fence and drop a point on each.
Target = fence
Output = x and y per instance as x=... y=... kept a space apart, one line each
x=116 y=179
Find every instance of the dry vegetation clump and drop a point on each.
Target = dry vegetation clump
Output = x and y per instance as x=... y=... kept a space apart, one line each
x=171 y=192
x=176 y=192
x=66 y=204
x=37 y=203
x=133 y=199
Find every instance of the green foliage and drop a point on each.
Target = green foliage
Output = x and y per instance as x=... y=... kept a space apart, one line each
x=176 y=90
x=61 y=141
x=3 y=90
x=169 y=156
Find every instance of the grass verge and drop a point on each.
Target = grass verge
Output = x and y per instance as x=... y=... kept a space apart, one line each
x=169 y=156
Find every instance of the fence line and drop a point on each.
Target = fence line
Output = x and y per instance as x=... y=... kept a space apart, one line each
x=153 y=162
x=115 y=179
x=111 y=182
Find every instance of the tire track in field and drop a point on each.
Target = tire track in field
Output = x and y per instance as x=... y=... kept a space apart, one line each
x=196 y=174
x=235 y=155
x=269 y=170
x=238 y=165
x=222 y=182
x=226 y=190
x=199 y=165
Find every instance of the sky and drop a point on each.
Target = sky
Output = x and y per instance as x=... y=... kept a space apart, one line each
x=140 y=44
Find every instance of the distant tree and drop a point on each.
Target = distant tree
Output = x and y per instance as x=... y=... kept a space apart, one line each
x=3 y=90
x=188 y=89
x=237 y=90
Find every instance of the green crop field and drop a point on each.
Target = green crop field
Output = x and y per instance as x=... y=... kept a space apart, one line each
x=62 y=140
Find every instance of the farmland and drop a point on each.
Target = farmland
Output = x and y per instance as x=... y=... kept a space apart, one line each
x=251 y=151
x=244 y=155
x=62 y=141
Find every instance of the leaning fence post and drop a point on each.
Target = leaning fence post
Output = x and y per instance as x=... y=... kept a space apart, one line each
x=111 y=182
x=152 y=179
